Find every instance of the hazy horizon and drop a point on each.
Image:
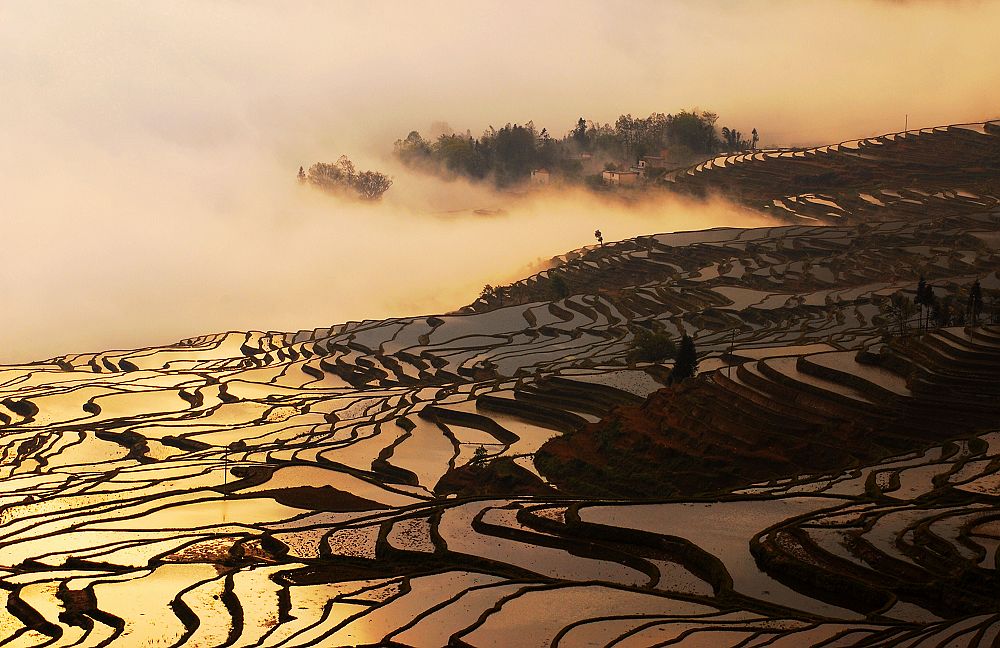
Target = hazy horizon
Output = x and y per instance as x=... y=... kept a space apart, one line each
x=148 y=168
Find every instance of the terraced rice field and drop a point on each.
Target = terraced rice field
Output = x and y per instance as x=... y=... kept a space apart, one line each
x=316 y=487
x=939 y=171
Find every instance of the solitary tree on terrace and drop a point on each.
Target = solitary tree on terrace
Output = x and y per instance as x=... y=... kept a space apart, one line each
x=900 y=309
x=686 y=363
x=599 y=237
x=975 y=306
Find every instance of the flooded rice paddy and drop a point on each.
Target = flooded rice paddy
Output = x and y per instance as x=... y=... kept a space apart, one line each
x=313 y=487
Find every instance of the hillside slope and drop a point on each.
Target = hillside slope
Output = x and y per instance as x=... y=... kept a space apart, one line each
x=506 y=475
x=929 y=172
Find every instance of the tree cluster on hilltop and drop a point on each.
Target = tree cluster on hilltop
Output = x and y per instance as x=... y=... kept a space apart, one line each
x=508 y=155
x=963 y=309
x=342 y=178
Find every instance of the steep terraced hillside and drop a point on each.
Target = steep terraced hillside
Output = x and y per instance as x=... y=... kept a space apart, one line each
x=934 y=171
x=794 y=410
x=505 y=475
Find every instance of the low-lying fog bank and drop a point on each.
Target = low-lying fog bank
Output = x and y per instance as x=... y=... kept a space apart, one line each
x=100 y=267
x=147 y=173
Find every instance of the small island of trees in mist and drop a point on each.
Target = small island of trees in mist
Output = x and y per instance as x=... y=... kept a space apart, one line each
x=514 y=154
x=631 y=152
x=342 y=179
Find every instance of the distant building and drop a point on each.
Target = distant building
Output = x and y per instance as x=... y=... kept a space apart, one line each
x=540 y=176
x=669 y=158
x=620 y=178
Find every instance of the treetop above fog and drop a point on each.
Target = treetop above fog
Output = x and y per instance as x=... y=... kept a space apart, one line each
x=509 y=154
x=342 y=178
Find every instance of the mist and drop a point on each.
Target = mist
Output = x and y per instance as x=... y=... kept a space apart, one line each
x=147 y=173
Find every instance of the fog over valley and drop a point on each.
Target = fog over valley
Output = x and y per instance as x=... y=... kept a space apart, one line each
x=478 y=323
x=150 y=152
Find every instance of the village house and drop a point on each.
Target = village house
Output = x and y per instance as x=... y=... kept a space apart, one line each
x=620 y=178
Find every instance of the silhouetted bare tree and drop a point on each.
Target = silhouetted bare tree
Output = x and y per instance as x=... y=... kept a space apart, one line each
x=900 y=309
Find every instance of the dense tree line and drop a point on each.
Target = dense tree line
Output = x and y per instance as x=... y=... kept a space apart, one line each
x=508 y=155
